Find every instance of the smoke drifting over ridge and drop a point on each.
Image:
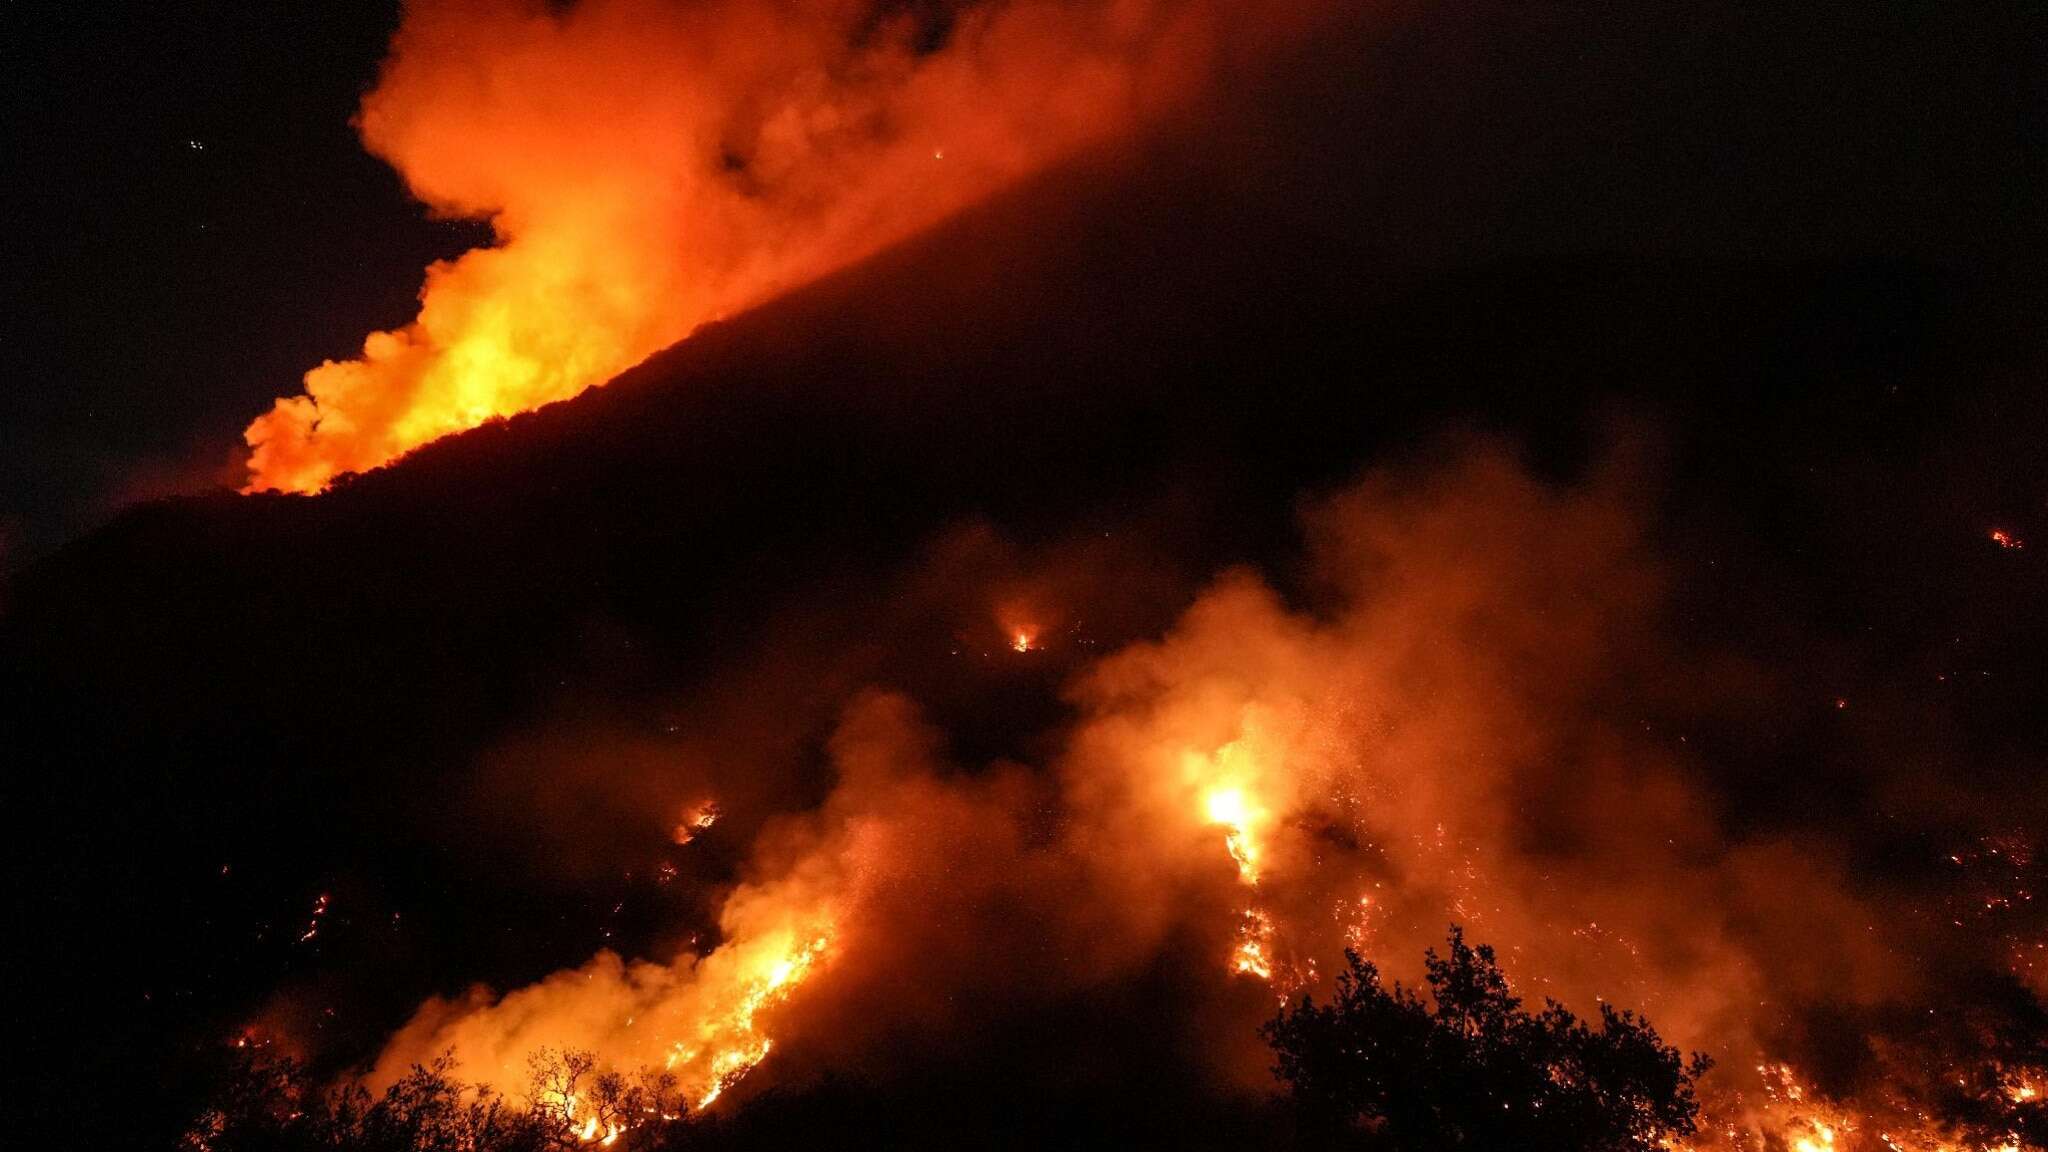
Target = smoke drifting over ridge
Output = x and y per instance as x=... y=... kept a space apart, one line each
x=1476 y=717
x=648 y=166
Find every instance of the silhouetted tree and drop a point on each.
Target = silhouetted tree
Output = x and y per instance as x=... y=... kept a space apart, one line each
x=1379 y=1067
x=572 y=1100
x=268 y=1103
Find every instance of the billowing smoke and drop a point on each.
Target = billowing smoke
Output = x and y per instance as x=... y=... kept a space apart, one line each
x=834 y=889
x=1471 y=708
x=649 y=166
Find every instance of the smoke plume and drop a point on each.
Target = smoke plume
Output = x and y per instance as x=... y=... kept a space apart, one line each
x=1472 y=710
x=649 y=166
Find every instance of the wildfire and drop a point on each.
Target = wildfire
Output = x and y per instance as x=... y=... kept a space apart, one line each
x=1021 y=642
x=1358 y=923
x=744 y=1045
x=647 y=168
x=2025 y=1087
x=2004 y=539
x=587 y=1132
x=1820 y=1138
x=1254 y=954
x=696 y=820
x=1230 y=808
x=1791 y=1116
x=313 y=919
x=702 y=1019
x=1793 y=1119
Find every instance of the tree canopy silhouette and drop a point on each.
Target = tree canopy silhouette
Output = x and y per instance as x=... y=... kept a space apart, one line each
x=1380 y=1067
x=269 y=1103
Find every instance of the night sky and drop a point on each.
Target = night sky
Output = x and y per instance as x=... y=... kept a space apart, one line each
x=192 y=225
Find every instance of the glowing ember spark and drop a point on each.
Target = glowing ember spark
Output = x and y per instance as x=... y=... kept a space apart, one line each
x=313 y=920
x=1358 y=925
x=2004 y=539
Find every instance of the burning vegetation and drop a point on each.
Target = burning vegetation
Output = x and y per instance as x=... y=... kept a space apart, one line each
x=1260 y=813
x=1447 y=734
x=648 y=167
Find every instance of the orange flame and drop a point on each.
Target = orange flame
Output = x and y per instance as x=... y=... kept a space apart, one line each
x=738 y=1045
x=695 y=822
x=1362 y=770
x=648 y=167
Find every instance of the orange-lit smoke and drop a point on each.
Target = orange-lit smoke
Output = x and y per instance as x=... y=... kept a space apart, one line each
x=648 y=166
x=825 y=894
x=1473 y=724
x=1477 y=718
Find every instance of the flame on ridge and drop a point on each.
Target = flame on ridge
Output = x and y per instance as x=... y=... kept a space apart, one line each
x=650 y=166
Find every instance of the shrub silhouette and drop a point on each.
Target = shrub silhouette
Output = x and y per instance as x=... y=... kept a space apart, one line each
x=269 y=1103
x=1379 y=1067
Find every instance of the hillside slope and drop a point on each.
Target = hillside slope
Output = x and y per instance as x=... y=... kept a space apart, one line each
x=221 y=706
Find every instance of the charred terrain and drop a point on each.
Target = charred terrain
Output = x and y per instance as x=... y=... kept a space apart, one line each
x=986 y=683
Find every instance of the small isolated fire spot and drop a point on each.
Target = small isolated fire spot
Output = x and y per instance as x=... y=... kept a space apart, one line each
x=2007 y=540
x=314 y=918
x=1022 y=642
x=696 y=820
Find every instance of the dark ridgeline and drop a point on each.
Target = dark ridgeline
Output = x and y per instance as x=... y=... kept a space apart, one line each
x=219 y=706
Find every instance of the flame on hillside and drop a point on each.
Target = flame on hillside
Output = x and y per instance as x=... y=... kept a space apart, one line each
x=649 y=166
x=1437 y=742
